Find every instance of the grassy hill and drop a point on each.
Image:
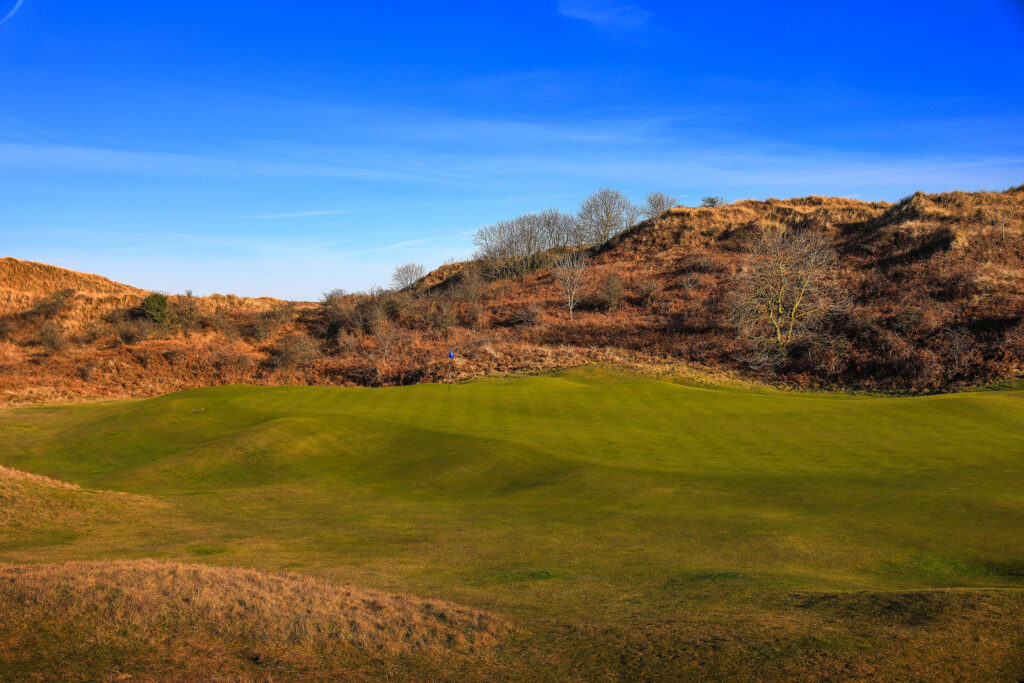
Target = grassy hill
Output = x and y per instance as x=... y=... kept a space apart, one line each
x=624 y=526
x=31 y=279
x=927 y=297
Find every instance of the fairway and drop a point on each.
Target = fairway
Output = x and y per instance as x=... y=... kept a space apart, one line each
x=625 y=526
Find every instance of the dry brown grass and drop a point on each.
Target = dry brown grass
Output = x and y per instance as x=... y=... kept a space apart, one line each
x=36 y=279
x=934 y=285
x=171 y=621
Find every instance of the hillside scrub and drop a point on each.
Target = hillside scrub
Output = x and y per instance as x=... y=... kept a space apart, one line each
x=922 y=295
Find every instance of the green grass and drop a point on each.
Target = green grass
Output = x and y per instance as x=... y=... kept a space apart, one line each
x=590 y=498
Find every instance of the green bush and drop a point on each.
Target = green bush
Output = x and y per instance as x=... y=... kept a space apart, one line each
x=154 y=307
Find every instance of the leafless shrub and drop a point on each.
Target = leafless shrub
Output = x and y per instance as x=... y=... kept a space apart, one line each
x=174 y=357
x=338 y=312
x=51 y=337
x=610 y=291
x=444 y=310
x=560 y=230
x=471 y=285
x=293 y=350
x=658 y=203
x=133 y=331
x=471 y=316
x=961 y=345
x=527 y=315
x=51 y=306
x=784 y=292
x=264 y=324
x=712 y=201
x=388 y=336
x=571 y=275
x=347 y=341
x=88 y=371
x=513 y=247
x=185 y=310
x=647 y=289
x=605 y=214
x=407 y=275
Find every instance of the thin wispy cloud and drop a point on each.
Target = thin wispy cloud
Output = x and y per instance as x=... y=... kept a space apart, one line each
x=295 y=214
x=605 y=14
x=17 y=5
x=411 y=243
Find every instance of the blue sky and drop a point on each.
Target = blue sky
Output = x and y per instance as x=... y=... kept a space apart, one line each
x=291 y=148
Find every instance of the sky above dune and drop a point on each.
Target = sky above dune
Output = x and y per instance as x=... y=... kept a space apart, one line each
x=288 y=149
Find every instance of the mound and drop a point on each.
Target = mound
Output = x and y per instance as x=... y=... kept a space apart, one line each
x=29 y=277
x=30 y=501
x=168 y=620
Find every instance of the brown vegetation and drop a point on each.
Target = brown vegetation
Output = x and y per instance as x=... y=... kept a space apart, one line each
x=169 y=621
x=923 y=295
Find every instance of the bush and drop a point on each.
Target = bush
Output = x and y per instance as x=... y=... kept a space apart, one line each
x=132 y=331
x=186 y=311
x=154 y=308
x=294 y=350
x=527 y=315
x=174 y=356
x=262 y=325
x=51 y=337
x=88 y=371
x=646 y=290
x=52 y=306
x=610 y=292
x=470 y=286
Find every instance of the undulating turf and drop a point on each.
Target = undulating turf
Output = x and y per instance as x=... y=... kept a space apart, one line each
x=627 y=526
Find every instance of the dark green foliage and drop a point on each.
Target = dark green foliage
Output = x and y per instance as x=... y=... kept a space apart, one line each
x=154 y=308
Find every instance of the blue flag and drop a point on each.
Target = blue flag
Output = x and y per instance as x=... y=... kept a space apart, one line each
x=451 y=354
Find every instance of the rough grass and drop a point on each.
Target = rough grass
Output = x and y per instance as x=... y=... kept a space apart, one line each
x=628 y=527
x=159 y=619
x=37 y=510
x=931 y=285
x=37 y=279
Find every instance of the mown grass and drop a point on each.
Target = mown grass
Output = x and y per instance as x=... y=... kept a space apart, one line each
x=628 y=527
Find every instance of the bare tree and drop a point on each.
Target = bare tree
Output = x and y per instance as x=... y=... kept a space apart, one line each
x=511 y=247
x=712 y=202
x=605 y=214
x=407 y=275
x=785 y=291
x=560 y=230
x=658 y=203
x=571 y=275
